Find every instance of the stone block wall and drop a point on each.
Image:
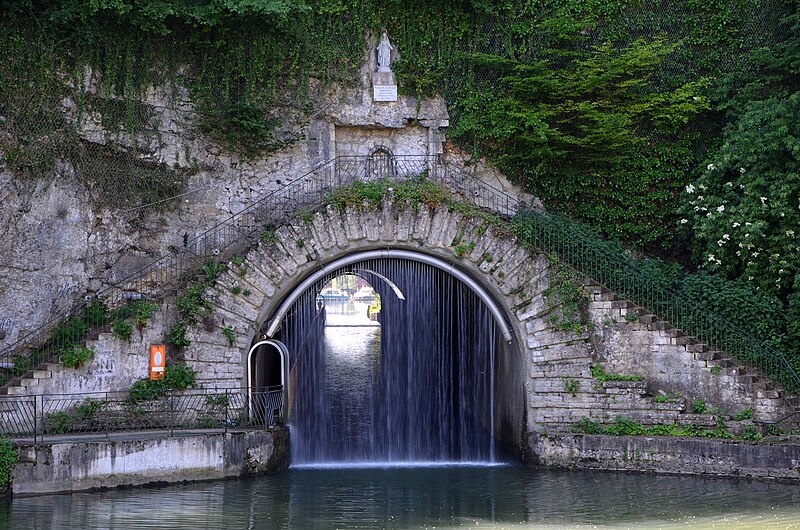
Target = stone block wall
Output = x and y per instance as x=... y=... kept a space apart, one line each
x=558 y=385
x=358 y=141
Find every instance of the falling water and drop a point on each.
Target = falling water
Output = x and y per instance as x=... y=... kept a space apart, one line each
x=419 y=388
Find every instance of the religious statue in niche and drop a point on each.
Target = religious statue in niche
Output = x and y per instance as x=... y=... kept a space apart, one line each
x=385 y=54
x=384 y=85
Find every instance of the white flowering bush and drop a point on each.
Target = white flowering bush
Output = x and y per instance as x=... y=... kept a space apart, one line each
x=744 y=211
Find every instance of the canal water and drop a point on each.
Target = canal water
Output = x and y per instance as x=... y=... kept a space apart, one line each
x=423 y=497
x=376 y=446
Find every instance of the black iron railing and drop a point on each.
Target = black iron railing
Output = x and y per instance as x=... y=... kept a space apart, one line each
x=621 y=274
x=574 y=246
x=52 y=415
x=62 y=333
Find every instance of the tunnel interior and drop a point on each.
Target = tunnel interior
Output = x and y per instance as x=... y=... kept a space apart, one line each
x=428 y=378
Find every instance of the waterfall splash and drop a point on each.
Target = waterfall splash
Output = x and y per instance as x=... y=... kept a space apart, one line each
x=418 y=389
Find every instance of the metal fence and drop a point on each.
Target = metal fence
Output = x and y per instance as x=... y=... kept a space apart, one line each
x=573 y=245
x=621 y=274
x=42 y=416
x=233 y=236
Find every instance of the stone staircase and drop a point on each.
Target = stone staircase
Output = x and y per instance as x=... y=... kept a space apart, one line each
x=769 y=399
x=29 y=382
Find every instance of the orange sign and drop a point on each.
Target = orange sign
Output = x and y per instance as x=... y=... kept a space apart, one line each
x=158 y=358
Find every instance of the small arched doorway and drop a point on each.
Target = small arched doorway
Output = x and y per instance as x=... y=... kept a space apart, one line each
x=380 y=164
x=268 y=382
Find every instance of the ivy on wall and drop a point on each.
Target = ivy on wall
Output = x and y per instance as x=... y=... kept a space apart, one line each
x=606 y=109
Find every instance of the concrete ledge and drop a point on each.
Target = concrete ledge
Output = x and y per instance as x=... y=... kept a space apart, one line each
x=136 y=459
x=663 y=454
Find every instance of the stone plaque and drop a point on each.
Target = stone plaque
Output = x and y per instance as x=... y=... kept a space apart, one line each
x=384 y=92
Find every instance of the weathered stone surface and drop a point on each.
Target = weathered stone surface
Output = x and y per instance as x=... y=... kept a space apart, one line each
x=668 y=455
x=140 y=459
x=552 y=358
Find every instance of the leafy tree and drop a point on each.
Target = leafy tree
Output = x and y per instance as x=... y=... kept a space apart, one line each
x=599 y=136
x=744 y=210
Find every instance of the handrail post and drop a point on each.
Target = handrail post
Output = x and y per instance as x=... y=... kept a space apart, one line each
x=227 y=419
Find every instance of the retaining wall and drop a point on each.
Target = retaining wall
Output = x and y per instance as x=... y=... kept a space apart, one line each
x=663 y=454
x=147 y=458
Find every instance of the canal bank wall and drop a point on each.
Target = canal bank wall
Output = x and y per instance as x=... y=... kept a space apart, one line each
x=665 y=454
x=70 y=465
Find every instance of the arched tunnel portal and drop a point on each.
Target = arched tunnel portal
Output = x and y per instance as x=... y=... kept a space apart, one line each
x=438 y=377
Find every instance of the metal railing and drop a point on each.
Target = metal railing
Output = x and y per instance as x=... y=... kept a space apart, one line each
x=233 y=236
x=573 y=245
x=52 y=415
x=612 y=269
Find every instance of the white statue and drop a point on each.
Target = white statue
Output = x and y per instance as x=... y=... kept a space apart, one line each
x=385 y=54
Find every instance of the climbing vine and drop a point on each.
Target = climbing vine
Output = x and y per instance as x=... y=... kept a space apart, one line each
x=8 y=457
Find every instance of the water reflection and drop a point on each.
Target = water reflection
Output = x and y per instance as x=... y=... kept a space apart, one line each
x=443 y=497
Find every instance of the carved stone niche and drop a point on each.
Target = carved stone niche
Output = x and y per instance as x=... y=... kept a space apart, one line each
x=354 y=123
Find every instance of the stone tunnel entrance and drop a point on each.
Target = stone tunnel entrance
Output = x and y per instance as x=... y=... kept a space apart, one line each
x=438 y=377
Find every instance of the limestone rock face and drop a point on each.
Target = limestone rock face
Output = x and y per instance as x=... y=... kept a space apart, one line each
x=60 y=244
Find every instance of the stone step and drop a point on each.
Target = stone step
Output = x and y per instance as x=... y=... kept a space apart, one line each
x=723 y=363
x=697 y=347
x=749 y=379
x=15 y=390
x=704 y=356
x=603 y=297
x=658 y=325
x=676 y=407
x=647 y=318
x=638 y=385
x=41 y=374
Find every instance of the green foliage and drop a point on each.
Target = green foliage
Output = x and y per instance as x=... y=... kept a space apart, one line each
x=416 y=192
x=463 y=248
x=269 y=236
x=566 y=301
x=751 y=432
x=601 y=376
x=612 y=152
x=65 y=421
x=632 y=317
x=8 y=457
x=587 y=426
x=571 y=385
x=176 y=377
x=137 y=312
x=192 y=305
x=627 y=427
x=699 y=406
x=176 y=336
x=746 y=414
x=122 y=329
x=742 y=210
x=230 y=334
x=76 y=357
x=668 y=398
